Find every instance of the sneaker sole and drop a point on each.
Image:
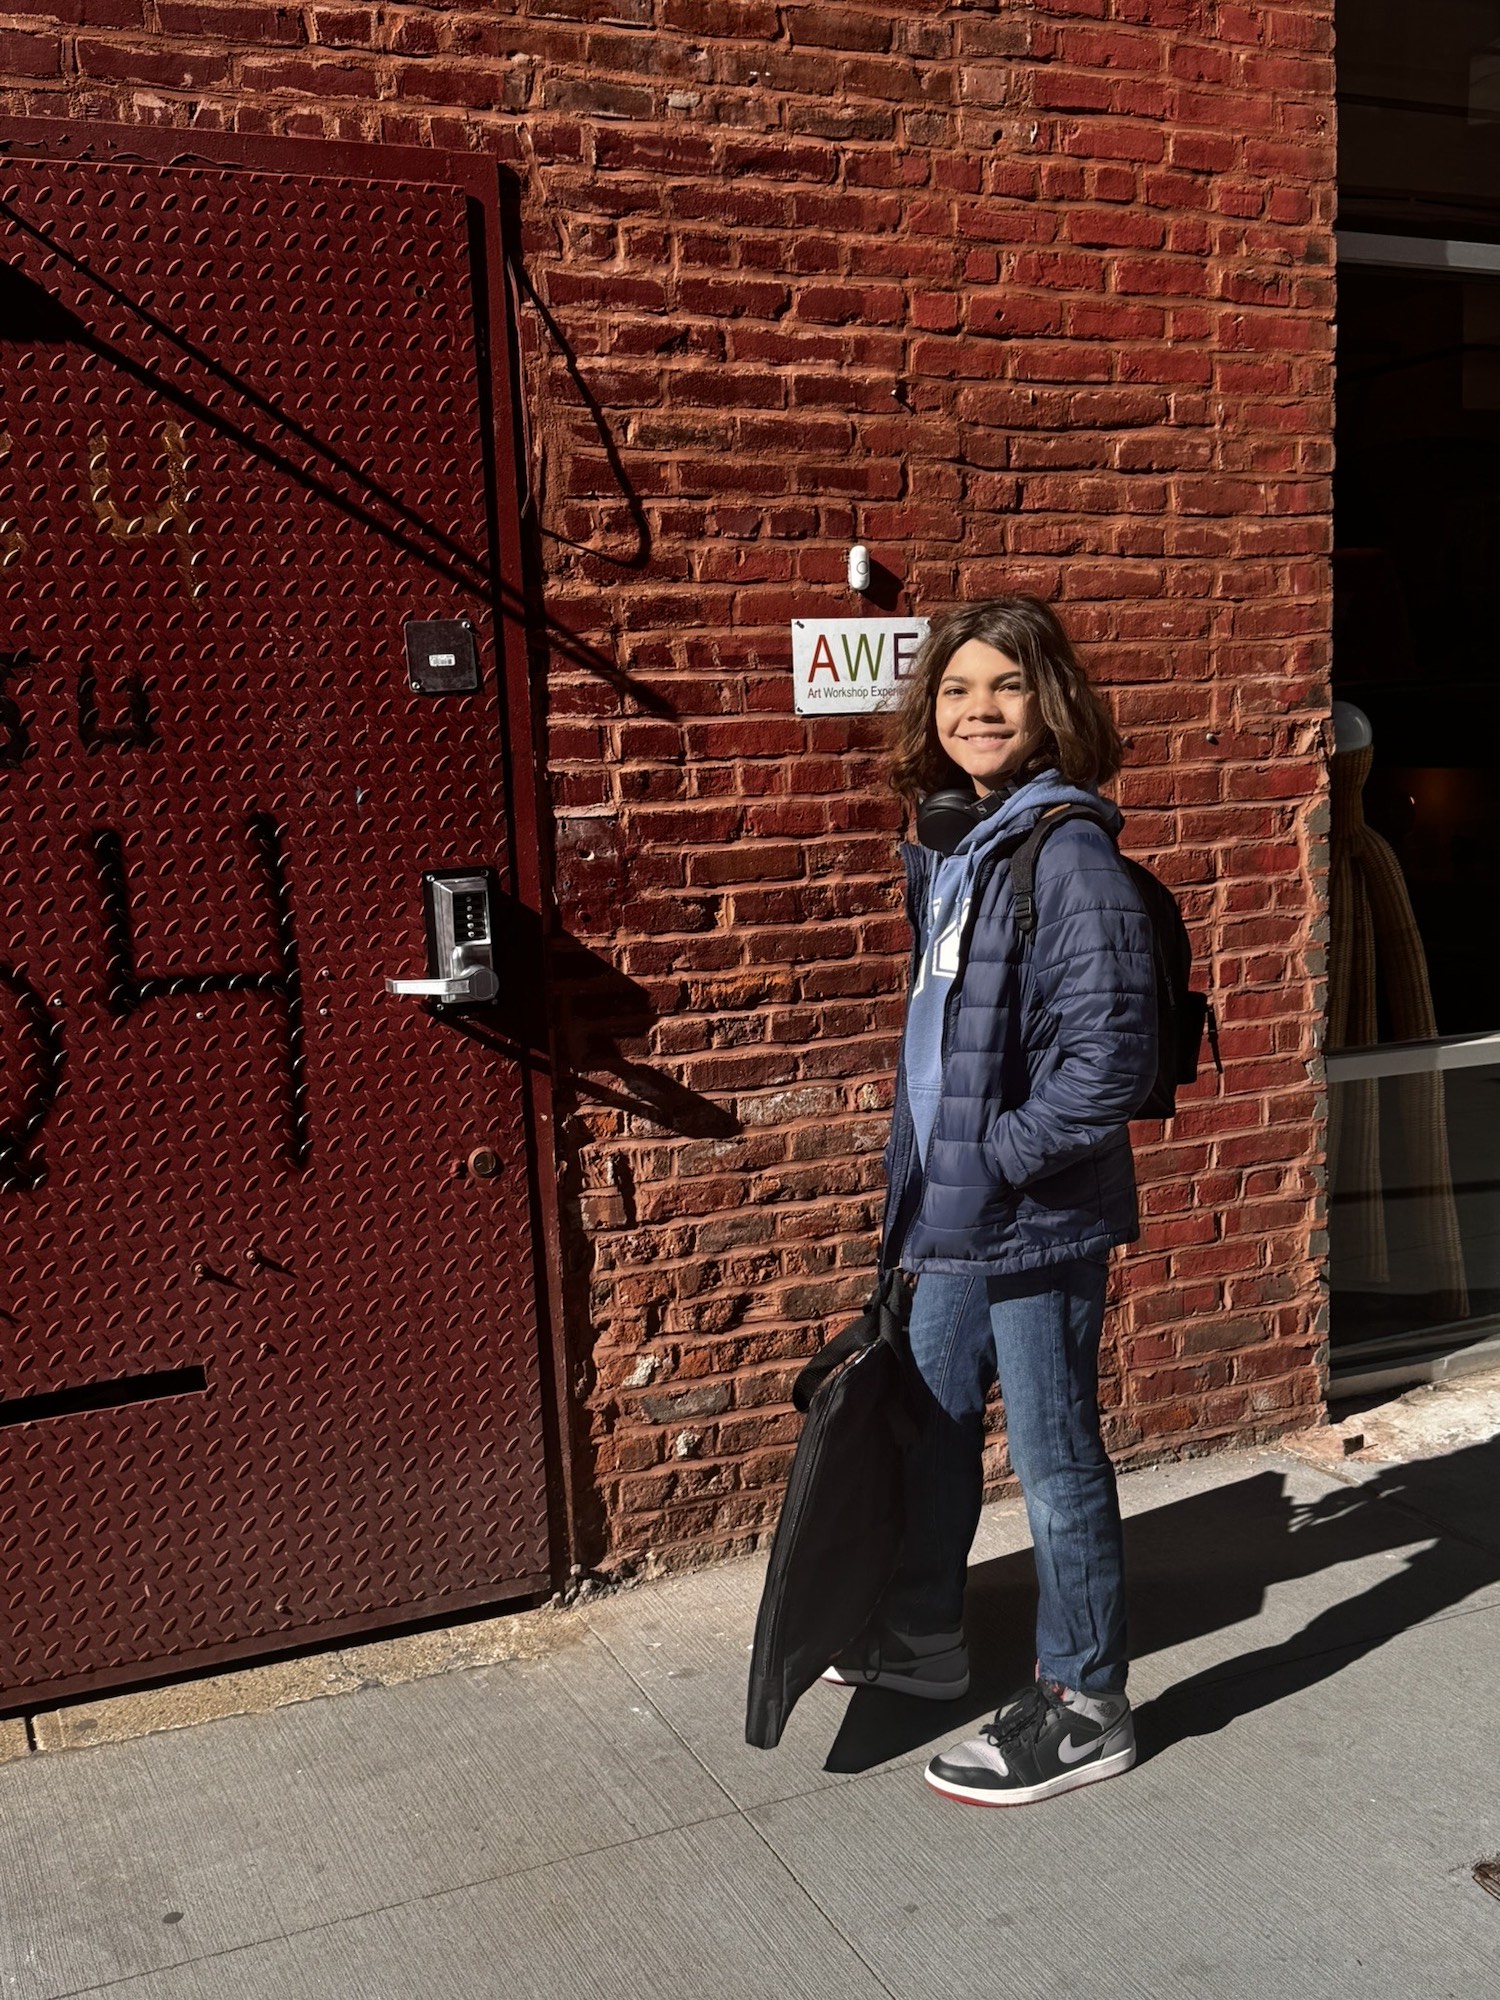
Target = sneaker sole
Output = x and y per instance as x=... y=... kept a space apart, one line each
x=902 y=1684
x=1026 y=1795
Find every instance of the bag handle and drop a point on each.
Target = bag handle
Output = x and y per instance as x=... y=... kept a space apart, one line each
x=892 y=1294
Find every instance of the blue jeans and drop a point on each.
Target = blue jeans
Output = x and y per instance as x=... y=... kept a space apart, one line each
x=1040 y=1332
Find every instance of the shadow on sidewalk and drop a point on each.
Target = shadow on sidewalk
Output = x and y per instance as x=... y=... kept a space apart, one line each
x=1205 y=1563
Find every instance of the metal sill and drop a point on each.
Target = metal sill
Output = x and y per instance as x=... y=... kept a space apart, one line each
x=1401 y=1360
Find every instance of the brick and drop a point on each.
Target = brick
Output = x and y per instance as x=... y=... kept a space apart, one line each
x=28 y=55
x=1204 y=152
x=598 y=97
x=636 y=12
x=1108 y=227
x=479 y=87
x=1057 y=270
x=633 y=151
x=1114 y=139
x=1071 y=90
x=95 y=13
x=167 y=69
x=234 y=23
x=335 y=27
x=737 y=20
x=311 y=76
x=841 y=27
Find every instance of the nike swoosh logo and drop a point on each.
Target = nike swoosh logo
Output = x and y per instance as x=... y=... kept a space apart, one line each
x=1073 y=1753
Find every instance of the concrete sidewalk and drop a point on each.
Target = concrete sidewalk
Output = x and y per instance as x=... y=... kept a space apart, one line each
x=1317 y=1686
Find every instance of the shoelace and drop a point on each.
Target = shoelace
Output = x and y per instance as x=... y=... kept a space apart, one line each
x=1026 y=1720
x=868 y=1657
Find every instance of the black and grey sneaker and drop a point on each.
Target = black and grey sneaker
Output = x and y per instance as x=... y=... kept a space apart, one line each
x=933 y=1666
x=1043 y=1741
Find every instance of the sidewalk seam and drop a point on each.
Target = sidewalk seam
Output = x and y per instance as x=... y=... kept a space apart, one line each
x=386 y=1909
x=1441 y=1529
x=1369 y=1643
x=838 y=1930
x=743 y=1816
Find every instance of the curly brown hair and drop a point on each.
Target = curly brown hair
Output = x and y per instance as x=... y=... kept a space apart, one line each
x=1079 y=737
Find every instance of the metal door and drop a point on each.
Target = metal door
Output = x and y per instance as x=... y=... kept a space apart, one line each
x=270 y=1346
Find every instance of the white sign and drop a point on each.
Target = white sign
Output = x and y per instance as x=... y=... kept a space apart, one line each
x=845 y=666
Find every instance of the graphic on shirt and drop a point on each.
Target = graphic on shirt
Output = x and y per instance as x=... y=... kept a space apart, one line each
x=940 y=960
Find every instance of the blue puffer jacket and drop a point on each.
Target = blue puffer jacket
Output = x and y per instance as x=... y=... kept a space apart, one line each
x=1046 y=1052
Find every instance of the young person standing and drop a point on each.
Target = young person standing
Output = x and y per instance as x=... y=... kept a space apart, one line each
x=1010 y=1181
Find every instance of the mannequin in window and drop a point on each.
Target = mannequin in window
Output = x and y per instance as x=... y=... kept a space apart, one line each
x=1378 y=990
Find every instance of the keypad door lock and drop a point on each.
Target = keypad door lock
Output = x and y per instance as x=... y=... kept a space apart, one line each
x=459 y=905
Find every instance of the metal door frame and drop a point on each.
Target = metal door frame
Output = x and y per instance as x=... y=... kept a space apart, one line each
x=484 y=184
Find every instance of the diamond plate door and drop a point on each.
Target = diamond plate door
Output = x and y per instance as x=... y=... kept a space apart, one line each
x=271 y=1365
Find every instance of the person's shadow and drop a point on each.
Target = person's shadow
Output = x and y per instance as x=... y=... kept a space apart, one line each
x=1205 y=1563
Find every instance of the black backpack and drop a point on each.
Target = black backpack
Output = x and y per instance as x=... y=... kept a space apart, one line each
x=1182 y=1016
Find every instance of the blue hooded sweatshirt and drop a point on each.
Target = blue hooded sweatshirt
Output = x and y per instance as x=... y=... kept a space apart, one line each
x=1021 y=1062
x=942 y=933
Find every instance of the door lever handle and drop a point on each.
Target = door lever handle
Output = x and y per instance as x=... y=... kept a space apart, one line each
x=473 y=982
x=478 y=983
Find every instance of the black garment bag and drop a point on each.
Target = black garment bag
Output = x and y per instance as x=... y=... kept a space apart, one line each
x=844 y=1515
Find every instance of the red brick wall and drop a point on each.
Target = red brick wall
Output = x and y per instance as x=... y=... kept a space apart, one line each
x=1025 y=297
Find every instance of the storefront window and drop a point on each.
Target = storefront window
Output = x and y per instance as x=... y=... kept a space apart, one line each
x=1419 y=108
x=1414 y=1066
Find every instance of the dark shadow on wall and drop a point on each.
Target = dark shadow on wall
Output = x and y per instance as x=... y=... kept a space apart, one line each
x=885 y=591
x=1204 y=1564
x=596 y=1009
x=631 y=559
x=591 y=1012
x=605 y=1009
x=551 y=640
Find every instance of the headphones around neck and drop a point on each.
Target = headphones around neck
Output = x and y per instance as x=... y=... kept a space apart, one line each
x=943 y=818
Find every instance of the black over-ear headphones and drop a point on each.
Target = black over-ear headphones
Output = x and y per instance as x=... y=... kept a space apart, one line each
x=943 y=818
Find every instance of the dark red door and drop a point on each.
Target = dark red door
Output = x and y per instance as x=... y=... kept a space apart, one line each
x=270 y=1346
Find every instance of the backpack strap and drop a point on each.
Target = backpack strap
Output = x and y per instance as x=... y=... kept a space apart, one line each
x=1023 y=861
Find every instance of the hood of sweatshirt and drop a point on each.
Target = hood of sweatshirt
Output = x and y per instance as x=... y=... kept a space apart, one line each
x=1024 y=808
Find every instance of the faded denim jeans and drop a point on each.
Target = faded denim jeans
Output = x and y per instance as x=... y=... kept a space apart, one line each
x=1039 y=1331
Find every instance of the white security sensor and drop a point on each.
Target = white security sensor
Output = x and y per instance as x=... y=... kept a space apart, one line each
x=859 y=567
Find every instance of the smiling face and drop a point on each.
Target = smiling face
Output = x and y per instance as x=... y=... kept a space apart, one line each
x=986 y=717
